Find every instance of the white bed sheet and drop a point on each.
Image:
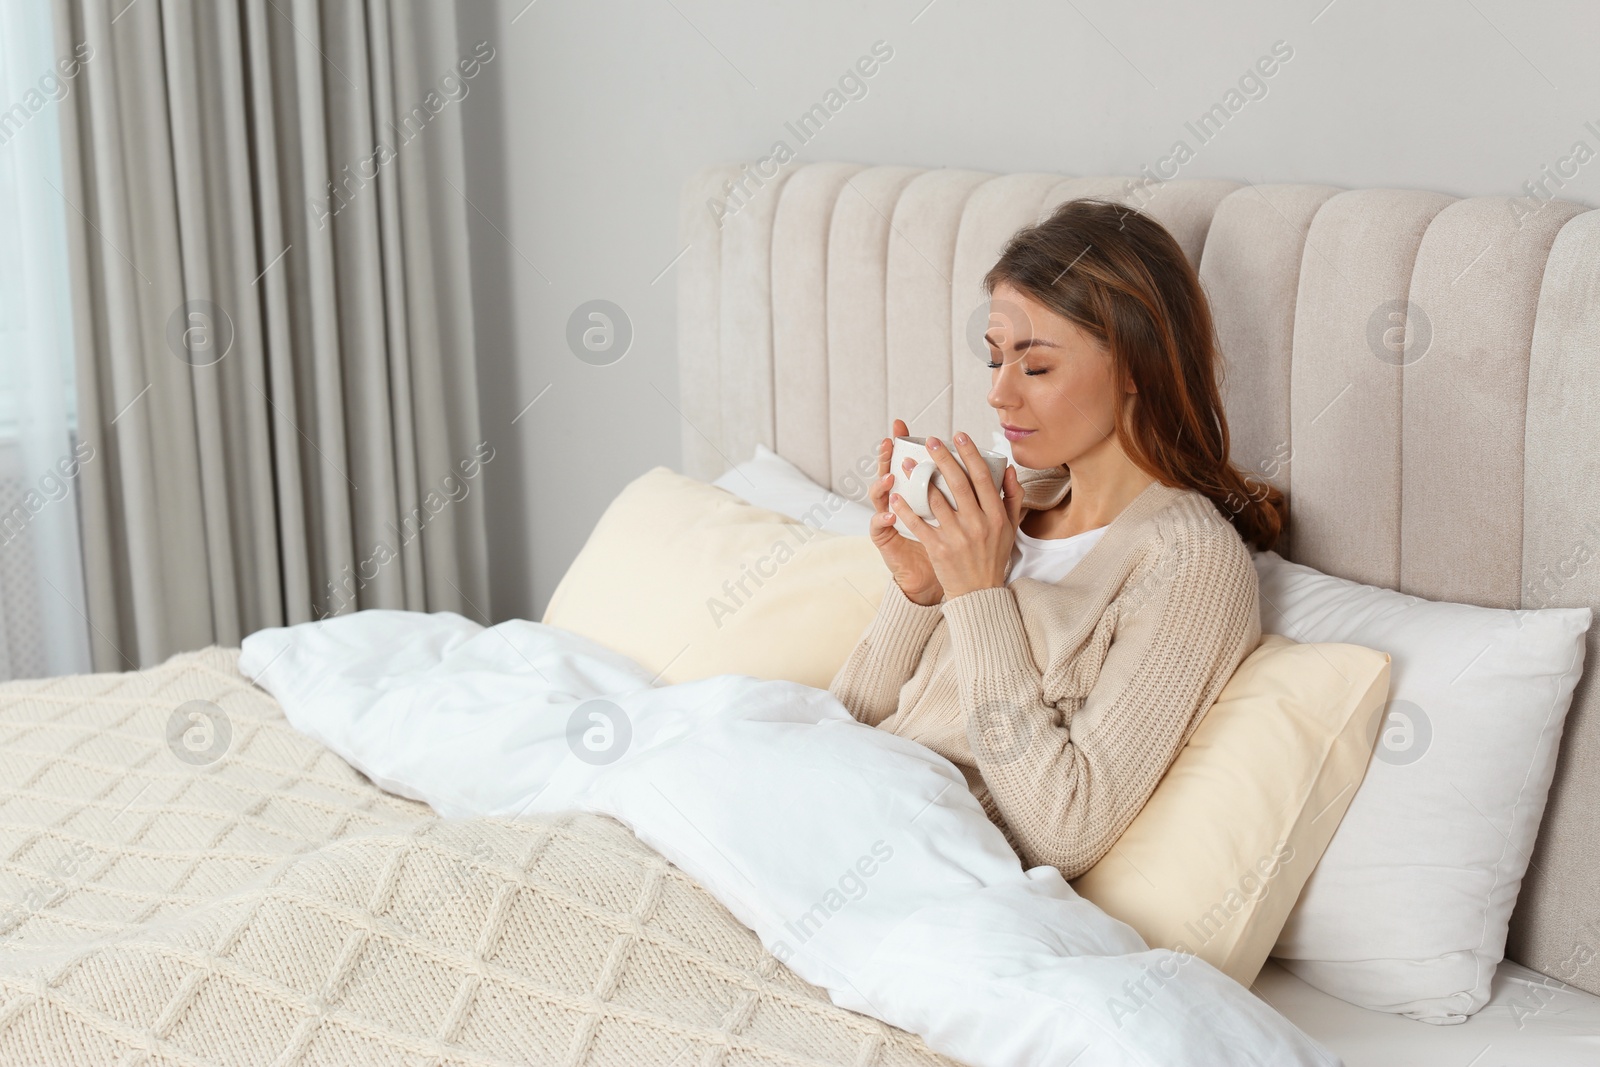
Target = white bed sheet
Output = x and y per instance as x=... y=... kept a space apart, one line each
x=769 y=794
x=1530 y=1021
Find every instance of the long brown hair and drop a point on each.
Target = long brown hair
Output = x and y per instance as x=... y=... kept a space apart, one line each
x=1120 y=276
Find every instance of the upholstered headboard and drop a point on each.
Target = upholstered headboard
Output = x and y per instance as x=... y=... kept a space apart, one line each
x=1419 y=373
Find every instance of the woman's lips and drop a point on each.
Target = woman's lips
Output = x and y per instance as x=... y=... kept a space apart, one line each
x=1015 y=434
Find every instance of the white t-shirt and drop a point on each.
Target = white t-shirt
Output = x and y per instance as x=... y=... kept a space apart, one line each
x=1049 y=560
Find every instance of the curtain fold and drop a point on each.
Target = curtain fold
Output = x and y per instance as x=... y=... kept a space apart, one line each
x=272 y=312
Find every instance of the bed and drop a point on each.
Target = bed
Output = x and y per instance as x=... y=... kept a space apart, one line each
x=1412 y=369
x=270 y=905
x=186 y=879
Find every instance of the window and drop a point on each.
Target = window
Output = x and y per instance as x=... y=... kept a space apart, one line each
x=43 y=623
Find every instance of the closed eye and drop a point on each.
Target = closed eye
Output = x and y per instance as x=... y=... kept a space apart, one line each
x=1030 y=373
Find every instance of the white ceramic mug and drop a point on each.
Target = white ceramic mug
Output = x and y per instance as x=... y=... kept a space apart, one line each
x=914 y=486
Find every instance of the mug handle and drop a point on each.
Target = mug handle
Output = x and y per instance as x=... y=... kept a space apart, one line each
x=916 y=487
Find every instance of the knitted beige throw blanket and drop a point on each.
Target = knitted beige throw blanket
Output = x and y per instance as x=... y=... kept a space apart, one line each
x=185 y=879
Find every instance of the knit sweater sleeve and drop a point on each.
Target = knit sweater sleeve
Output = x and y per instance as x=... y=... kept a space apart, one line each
x=885 y=657
x=1166 y=646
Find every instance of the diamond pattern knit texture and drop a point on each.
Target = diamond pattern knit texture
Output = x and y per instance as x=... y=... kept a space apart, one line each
x=185 y=879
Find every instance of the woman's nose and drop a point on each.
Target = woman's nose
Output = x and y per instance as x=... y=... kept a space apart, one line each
x=1002 y=394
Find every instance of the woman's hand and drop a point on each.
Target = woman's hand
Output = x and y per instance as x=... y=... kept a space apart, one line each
x=907 y=560
x=971 y=547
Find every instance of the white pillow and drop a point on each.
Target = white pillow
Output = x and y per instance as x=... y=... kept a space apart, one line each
x=1408 y=909
x=769 y=481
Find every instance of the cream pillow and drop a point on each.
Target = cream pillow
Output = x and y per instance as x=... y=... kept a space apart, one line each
x=691 y=581
x=1215 y=860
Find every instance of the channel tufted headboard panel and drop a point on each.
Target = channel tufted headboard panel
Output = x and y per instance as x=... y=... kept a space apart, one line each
x=1419 y=373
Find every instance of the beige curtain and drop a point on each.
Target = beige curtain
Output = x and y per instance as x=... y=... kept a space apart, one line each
x=274 y=342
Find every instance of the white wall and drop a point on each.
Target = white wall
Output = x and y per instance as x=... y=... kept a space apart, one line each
x=594 y=112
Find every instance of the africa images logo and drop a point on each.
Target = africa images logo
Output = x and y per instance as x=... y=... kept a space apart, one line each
x=199 y=733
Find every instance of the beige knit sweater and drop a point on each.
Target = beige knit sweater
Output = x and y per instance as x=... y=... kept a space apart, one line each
x=1064 y=704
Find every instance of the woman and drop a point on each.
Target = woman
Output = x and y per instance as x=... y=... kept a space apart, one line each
x=1061 y=644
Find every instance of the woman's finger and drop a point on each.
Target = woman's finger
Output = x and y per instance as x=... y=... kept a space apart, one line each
x=913 y=521
x=982 y=482
x=939 y=505
x=958 y=480
x=883 y=523
x=878 y=492
x=1013 y=496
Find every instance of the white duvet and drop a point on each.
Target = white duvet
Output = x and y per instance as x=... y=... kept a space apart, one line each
x=859 y=857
